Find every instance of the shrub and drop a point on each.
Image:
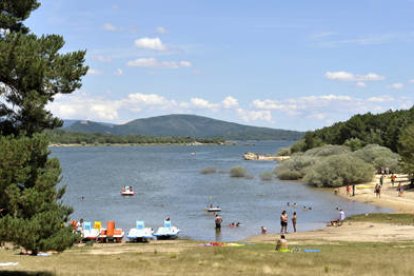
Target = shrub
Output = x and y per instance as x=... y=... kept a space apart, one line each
x=295 y=167
x=338 y=170
x=266 y=176
x=284 y=152
x=208 y=170
x=288 y=174
x=379 y=157
x=327 y=150
x=354 y=144
x=238 y=172
x=298 y=146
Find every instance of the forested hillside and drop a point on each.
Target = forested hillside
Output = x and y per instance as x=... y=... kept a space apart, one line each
x=383 y=129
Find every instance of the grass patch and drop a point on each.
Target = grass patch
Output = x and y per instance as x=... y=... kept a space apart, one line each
x=342 y=258
x=402 y=219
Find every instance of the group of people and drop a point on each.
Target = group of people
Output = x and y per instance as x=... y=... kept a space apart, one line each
x=219 y=220
x=284 y=222
x=378 y=186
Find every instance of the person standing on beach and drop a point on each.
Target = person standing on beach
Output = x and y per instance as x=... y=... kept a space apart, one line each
x=283 y=222
x=381 y=179
x=399 y=190
x=393 y=177
x=294 y=217
x=218 y=220
x=377 y=190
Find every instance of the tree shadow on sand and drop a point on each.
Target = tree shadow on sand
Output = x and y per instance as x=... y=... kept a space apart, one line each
x=26 y=273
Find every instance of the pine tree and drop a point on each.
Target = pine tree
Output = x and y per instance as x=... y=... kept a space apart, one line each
x=32 y=72
x=406 y=149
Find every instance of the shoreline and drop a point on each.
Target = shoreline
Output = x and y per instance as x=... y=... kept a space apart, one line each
x=364 y=193
x=359 y=231
x=75 y=145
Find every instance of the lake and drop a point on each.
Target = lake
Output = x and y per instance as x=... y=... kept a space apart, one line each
x=168 y=182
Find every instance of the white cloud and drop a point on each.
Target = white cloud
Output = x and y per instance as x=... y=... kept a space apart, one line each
x=361 y=84
x=382 y=99
x=347 y=76
x=146 y=99
x=318 y=116
x=109 y=27
x=374 y=39
x=321 y=35
x=411 y=81
x=340 y=75
x=253 y=115
x=84 y=107
x=302 y=112
x=102 y=58
x=397 y=86
x=230 y=102
x=154 y=63
x=202 y=103
x=94 y=72
x=331 y=97
x=150 y=43
x=119 y=72
x=161 y=30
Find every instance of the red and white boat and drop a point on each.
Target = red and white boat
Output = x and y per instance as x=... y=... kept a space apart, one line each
x=127 y=191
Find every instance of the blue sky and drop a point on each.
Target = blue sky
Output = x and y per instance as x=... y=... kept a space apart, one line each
x=282 y=64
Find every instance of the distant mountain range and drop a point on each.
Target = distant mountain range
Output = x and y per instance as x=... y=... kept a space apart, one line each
x=178 y=125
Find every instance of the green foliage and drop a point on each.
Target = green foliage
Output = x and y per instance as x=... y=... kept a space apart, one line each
x=406 y=149
x=339 y=170
x=208 y=170
x=63 y=137
x=298 y=146
x=327 y=150
x=333 y=165
x=33 y=215
x=399 y=219
x=295 y=167
x=379 y=157
x=14 y=12
x=382 y=129
x=354 y=144
x=284 y=152
x=238 y=172
x=32 y=73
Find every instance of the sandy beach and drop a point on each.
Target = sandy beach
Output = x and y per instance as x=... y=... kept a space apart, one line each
x=361 y=231
x=389 y=196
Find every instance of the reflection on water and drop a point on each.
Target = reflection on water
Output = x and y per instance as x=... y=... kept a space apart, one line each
x=168 y=182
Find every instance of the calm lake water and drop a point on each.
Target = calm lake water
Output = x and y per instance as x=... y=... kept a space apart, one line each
x=168 y=182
